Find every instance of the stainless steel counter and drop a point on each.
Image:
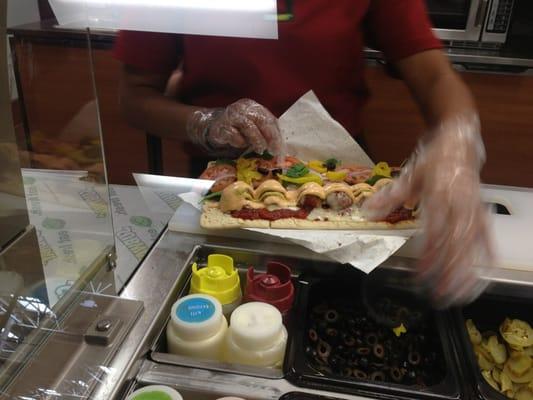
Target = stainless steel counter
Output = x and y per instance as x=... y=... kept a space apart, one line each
x=155 y=282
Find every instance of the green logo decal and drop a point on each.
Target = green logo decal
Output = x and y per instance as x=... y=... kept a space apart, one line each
x=141 y=221
x=28 y=180
x=53 y=223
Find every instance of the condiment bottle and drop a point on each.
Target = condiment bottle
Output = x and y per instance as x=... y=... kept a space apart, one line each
x=230 y=398
x=155 y=392
x=256 y=336
x=275 y=287
x=197 y=327
x=219 y=279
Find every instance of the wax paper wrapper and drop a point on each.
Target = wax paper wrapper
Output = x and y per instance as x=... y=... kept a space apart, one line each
x=311 y=133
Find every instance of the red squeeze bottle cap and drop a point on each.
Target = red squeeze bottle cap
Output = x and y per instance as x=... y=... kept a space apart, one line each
x=275 y=287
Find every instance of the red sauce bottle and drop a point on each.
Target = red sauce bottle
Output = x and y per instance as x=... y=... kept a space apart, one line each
x=273 y=287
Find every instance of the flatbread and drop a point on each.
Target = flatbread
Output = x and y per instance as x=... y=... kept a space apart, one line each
x=296 y=223
x=213 y=218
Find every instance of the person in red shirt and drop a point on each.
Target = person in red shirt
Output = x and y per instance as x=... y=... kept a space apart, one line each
x=232 y=90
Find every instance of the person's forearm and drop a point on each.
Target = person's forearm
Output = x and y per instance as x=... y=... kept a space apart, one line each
x=437 y=88
x=447 y=98
x=149 y=110
x=446 y=104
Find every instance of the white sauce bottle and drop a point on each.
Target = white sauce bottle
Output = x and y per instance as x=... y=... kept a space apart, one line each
x=256 y=336
x=231 y=398
x=197 y=327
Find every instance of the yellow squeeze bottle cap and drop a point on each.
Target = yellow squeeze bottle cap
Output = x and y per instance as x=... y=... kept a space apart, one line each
x=219 y=279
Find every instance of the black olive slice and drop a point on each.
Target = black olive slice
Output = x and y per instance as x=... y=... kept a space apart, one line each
x=414 y=357
x=371 y=339
x=379 y=365
x=332 y=332
x=363 y=351
x=359 y=374
x=313 y=335
x=377 y=376
x=396 y=374
x=332 y=316
x=379 y=351
x=346 y=372
x=348 y=340
x=323 y=349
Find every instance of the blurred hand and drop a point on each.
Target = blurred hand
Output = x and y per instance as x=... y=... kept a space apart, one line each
x=443 y=178
x=240 y=126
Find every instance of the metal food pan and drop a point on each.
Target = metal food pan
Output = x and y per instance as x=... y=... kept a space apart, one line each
x=187 y=394
x=487 y=313
x=243 y=259
x=350 y=286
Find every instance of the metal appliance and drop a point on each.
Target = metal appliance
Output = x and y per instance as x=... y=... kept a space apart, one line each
x=477 y=22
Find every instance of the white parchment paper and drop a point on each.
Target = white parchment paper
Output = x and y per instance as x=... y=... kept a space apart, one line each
x=311 y=133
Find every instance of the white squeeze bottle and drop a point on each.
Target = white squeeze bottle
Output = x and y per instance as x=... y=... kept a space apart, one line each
x=197 y=327
x=256 y=336
x=230 y=398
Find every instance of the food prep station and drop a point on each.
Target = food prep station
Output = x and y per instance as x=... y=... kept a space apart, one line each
x=350 y=335
x=369 y=359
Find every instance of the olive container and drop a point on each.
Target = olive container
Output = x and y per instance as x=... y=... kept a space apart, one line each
x=487 y=313
x=357 y=294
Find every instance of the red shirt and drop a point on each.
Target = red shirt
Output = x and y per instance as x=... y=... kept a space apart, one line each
x=320 y=49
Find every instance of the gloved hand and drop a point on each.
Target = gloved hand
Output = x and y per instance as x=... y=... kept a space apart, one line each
x=243 y=125
x=443 y=178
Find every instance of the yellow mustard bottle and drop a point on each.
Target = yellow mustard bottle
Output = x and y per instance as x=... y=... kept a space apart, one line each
x=219 y=279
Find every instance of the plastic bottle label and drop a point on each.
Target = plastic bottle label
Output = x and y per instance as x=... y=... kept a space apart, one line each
x=195 y=310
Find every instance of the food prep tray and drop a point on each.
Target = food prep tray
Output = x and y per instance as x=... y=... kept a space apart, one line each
x=187 y=394
x=487 y=313
x=242 y=260
x=357 y=299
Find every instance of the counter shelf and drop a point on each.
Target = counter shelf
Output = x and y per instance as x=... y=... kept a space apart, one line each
x=315 y=289
x=242 y=260
x=487 y=313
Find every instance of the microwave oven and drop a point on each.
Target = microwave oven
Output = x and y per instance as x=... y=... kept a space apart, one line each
x=481 y=21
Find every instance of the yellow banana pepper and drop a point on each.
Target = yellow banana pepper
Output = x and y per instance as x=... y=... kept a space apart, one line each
x=399 y=330
x=247 y=170
x=337 y=176
x=317 y=165
x=301 y=180
x=382 y=169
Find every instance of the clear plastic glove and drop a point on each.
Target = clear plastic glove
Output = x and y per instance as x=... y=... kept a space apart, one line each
x=243 y=125
x=443 y=178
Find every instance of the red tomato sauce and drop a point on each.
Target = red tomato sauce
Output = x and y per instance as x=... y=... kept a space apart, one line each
x=400 y=214
x=263 y=213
